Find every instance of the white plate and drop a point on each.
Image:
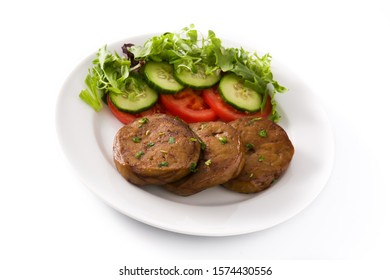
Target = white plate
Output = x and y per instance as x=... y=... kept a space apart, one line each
x=86 y=138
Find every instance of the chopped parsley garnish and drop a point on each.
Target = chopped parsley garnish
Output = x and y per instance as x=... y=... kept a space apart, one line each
x=223 y=140
x=263 y=133
x=249 y=146
x=150 y=144
x=143 y=121
x=139 y=154
x=193 y=166
x=202 y=145
x=136 y=139
x=162 y=164
x=171 y=140
x=261 y=158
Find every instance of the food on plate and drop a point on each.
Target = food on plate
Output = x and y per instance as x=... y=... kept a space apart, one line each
x=196 y=114
x=189 y=106
x=159 y=75
x=236 y=94
x=222 y=158
x=246 y=155
x=184 y=69
x=268 y=154
x=157 y=149
x=226 y=112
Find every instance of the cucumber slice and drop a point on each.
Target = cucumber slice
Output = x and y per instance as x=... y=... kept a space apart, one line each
x=197 y=80
x=140 y=101
x=235 y=93
x=159 y=75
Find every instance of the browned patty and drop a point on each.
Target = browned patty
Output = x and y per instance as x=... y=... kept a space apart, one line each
x=157 y=149
x=268 y=154
x=221 y=160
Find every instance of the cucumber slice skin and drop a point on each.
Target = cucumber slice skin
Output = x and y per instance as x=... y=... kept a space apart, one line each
x=142 y=104
x=235 y=93
x=159 y=76
x=197 y=80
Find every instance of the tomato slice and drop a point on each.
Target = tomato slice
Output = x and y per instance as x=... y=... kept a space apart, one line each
x=189 y=106
x=226 y=112
x=127 y=118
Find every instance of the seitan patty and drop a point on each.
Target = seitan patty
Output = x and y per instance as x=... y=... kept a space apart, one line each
x=268 y=153
x=222 y=158
x=156 y=149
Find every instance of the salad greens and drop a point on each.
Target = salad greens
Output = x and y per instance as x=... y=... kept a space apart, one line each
x=185 y=50
x=111 y=73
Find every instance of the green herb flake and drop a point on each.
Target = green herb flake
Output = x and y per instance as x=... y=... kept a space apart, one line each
x=192 y=139
x=143 y=121
x=208 y=162
x=171 y=140
x=261 y=158
x=150 y=144
x=136 y=139
x=163 y=164
x=193 y=167
x=223 y=140
x=263 y=133
x=139 y=154
x=249 y=146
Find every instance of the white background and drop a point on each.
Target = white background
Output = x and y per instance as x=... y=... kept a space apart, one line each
x=53 y=227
